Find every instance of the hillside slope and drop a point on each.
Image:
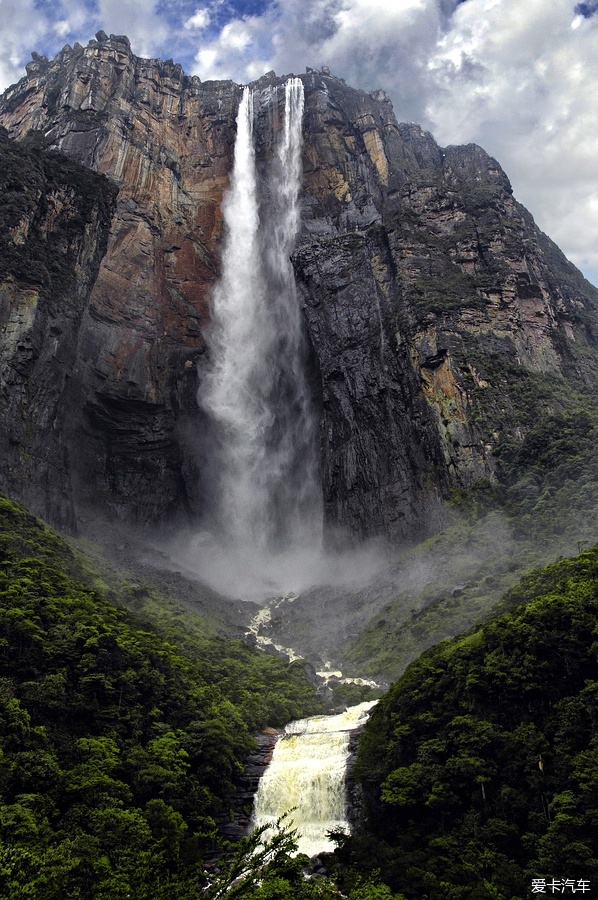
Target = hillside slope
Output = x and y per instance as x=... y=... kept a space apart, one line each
x=480 y=765
x=118 y=748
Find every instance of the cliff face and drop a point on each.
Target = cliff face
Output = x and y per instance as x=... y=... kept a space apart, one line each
x=54 y=221
x=433 y=304
x=167 y=143
x=443 y=318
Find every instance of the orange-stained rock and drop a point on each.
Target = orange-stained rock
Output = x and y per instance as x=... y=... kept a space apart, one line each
x=166 y=142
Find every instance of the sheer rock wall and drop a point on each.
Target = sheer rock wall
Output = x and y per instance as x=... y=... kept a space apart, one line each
x=429 y=294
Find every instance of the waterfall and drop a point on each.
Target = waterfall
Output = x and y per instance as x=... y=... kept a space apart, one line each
x=307 y=771
x=233 y=391
x=260 y=449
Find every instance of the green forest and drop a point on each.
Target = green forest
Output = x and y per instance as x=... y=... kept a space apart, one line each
x=120 y=744
x=480 y=765
x=118 y=747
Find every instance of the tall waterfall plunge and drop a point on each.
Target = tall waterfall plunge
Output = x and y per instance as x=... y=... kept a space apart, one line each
x=262 y=488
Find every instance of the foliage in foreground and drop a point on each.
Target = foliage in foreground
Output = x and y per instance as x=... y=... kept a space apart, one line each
x=480 y=765
x=118 y=751
x=263 y=867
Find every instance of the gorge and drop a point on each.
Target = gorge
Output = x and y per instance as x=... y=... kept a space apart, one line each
x=268 y=344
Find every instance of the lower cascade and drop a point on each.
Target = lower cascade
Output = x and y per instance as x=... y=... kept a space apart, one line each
x=307 y=775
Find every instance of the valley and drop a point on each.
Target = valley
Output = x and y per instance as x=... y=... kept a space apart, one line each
x=297 y=412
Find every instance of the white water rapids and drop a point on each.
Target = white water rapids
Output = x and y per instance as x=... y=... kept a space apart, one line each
x=307 y=771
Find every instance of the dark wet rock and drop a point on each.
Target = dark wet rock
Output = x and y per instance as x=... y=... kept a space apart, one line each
x=247 y=785
x=54 y=222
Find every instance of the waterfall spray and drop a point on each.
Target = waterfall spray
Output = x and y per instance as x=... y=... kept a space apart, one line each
x=233 y=391
x=263 y=490
x=294 y=490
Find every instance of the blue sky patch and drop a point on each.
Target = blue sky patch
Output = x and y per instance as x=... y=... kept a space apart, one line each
x=587 y=10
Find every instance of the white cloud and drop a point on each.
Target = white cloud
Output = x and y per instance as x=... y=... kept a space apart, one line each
x=200 y=19
x=365 y=41
x=235 y=36
x=62 y=28
x=82 y=18
x=514 y=77
x=28 y=25
x=139 y=20
x=207 y=60
x=239 y=51
x=22 y=28
x=518 y=80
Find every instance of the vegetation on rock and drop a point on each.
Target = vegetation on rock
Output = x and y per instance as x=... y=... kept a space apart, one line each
x=545 y=503
x=48 y=201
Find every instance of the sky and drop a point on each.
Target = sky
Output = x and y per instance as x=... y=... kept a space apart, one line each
x=518 y=77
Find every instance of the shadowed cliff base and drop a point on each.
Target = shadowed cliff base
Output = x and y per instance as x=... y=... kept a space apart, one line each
x=545 y=506
x=369 y=609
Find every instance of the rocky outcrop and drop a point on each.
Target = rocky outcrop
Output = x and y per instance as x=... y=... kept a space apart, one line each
x=355 y=793
x=239 y=824
x=166 y=142
x=440 y=320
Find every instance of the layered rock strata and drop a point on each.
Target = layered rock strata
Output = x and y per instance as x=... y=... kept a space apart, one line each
x=439 y=317
x=167 y=143
x=434 y=303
